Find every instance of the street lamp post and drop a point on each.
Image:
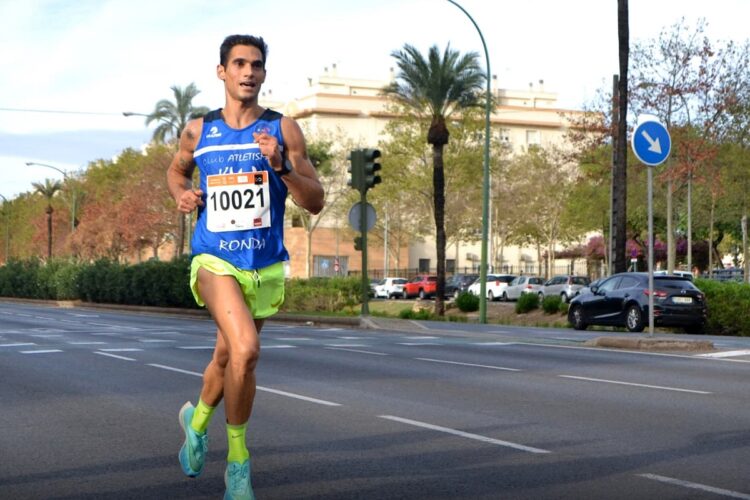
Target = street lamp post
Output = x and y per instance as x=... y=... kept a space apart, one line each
x=486 y=180
x=73 y=193
x=7 y=228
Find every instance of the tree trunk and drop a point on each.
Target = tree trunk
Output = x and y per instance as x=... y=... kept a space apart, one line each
x=671 y=251
x=711 y=238
x=438 y=184
x=619 y=171
x=180 y=243
x=49 y=232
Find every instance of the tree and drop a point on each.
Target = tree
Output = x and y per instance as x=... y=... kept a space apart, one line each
x=48 y=190
x=438 y=87
x=172 y=118
x=620 y=167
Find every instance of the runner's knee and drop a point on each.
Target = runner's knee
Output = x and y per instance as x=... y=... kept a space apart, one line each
x=244 y=357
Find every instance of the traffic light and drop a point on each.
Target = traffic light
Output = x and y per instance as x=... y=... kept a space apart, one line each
x=356 y=169
x=370 y=169
x=358 y=243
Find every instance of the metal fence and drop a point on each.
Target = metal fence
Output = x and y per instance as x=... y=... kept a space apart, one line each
x=592 y=269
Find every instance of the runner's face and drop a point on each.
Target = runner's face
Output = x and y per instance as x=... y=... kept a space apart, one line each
x=244 y=73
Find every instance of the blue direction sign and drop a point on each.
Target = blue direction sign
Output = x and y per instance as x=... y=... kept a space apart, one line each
x=651 y=142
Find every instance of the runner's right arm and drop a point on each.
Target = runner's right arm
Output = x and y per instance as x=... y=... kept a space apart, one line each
x=180 y=172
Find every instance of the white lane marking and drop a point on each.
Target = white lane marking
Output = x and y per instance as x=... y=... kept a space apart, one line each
x=491 y=367
x=80 y=315
x=178 y=370
x=122 y=349
x=467 y=435
x=647 y=386
x=330 y=329
x=195 y=347
x=286 y=339
x=298 y=396
x=417 y=343
x=357 y=350
x=354 y=338
x=696 y=486
x=86 y=343
x=725 y=354
x=47 y=336
x=19 y=344
x=113 y=356
x=45 y=351
x=278 y=346
x=494 y=343
x=346 y=345
x=500 y=331
x=420 y=337
x=108 y=334
x=259 y=388
x=155 y=341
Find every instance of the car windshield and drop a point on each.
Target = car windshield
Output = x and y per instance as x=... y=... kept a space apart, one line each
x=505 y=279
x=432 y=278
x=399 y=281
x=536 y=281
x=577 y=280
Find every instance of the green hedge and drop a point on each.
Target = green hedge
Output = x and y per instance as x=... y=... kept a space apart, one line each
x=728 y=305
x=527 y=302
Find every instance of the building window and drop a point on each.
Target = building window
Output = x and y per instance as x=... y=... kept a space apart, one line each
x=450 y=266
x=424 y=265
x=533 y=138
x=329 y=266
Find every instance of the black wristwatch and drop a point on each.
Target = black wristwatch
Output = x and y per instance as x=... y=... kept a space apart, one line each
x=286 y=167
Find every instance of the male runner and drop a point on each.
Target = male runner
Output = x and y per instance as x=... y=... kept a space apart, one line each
x=249 y=158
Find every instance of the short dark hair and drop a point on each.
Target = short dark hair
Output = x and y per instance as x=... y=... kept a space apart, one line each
x=232 y=40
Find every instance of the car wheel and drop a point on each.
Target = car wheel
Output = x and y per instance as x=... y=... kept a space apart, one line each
x=404 y=295
x=577 y=318
x=634 y=319
x=456 y=294
x=422 y=295
x=564 y=297
x=504 y=298
x=490 y=296
x=541 y=297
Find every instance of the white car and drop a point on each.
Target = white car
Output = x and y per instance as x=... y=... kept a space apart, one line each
x=521 y=285
x=495 y=285
x=390 y=287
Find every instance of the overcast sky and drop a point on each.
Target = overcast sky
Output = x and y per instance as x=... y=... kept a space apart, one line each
x=98 y=58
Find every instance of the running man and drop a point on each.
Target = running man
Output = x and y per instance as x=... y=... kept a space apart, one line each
x=249 y=159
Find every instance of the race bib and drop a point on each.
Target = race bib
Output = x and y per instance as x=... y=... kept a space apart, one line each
x=236 y=202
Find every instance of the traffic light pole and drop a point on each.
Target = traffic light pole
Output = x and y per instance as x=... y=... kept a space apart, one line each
x=365 y=280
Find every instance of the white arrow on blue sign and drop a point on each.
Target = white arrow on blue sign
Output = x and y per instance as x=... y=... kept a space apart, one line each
x=651 y=142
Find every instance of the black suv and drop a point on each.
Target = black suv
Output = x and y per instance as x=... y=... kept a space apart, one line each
x=459 y=283
x=622 y=300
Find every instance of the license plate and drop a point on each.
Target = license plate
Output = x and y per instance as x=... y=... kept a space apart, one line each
x=682 y=300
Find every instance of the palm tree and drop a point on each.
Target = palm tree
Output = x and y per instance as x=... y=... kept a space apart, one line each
x=172 y=118
x=48 y=190
x=438 y=87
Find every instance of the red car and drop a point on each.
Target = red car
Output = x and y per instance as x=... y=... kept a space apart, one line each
x=421 y=286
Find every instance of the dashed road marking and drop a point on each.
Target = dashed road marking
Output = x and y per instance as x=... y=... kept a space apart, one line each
x=696 y=486
x=473 y=365
x=647 y=386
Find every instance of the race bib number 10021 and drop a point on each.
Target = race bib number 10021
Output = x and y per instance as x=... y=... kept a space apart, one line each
x=236 y=202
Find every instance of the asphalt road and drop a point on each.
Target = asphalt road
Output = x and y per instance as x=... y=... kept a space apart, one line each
x=89 y=401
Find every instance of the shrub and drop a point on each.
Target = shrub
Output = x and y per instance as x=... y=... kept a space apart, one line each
x=727 y=303
x=467 y=302
x=527 y=302
x=551 y=304
x=422 y=314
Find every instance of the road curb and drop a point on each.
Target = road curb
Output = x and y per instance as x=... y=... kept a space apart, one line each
x=649 y=344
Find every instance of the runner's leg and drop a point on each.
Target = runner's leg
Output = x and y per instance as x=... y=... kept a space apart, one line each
x=241 y=341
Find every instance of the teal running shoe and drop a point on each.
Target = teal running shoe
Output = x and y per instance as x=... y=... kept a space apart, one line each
x=237 y=481
x=193 y=452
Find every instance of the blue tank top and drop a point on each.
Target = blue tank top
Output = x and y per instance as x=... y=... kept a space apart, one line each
x=242 y=220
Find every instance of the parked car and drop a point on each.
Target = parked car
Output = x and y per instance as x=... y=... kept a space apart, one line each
x=622 y=300
x=422 y=286
x=495 y=285
x=587 y=289
x=566 y=287
x=459 y=283
x=390 y=287
x=683 y=274
x=521 y=285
